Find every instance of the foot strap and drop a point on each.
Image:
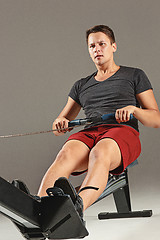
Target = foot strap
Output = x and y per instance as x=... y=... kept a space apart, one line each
x=54 y=191
x=88 y=187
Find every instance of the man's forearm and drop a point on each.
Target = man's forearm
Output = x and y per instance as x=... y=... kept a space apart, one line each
x=148 y=117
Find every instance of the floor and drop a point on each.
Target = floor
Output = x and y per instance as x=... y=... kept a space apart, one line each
x=117 y=229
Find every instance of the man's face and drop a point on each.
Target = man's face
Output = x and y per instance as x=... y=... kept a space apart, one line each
x=100 y=48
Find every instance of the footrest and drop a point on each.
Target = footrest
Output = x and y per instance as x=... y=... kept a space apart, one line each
x=60 y=220
x=52 y=217
x=134 y=214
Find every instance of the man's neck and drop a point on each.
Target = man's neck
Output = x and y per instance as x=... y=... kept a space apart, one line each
x=105 y=72
x=107 y=69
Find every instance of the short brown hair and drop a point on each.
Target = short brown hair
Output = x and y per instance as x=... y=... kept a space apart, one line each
x=101 y=28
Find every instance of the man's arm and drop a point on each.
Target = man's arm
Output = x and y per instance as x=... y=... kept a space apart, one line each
x=69 y=112
x=148 y=115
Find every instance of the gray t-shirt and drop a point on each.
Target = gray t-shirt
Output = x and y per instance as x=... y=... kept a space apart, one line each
x=101 y=97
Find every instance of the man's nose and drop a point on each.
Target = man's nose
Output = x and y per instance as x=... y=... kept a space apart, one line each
x=97 y=48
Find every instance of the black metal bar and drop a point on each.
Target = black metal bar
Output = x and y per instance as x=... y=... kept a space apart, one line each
x=135 y=214
x=122 y=199
x=123 y=205
x=31 y=233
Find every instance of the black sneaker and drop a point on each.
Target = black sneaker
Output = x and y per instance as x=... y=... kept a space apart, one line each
x=54 y=191
x=22 y=186
x=79 y=207
x=68 y=189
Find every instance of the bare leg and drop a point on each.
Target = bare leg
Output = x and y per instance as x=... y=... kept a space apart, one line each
x=105 y=156
x=72 y=157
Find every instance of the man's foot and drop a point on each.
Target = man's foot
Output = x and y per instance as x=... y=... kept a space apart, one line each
x=68 y=189
x=79 y=207
x=22 y=186
x=55 y=191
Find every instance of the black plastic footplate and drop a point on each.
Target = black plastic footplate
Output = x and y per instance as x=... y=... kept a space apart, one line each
x=54 y=217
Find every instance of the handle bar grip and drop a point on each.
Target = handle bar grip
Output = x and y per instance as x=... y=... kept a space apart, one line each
x=112 y=116
x=78 y=122
x=85 y=121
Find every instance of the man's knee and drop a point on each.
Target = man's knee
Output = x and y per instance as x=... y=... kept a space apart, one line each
x=106 y=153
x=97 y=155
x=64 y=154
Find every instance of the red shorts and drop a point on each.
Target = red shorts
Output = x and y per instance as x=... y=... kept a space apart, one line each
x=126 y=137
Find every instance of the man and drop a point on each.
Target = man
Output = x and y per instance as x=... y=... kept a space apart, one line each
x=105 y=147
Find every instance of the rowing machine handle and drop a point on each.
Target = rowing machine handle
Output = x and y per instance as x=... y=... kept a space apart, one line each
x=112 y=116
x=86 y=121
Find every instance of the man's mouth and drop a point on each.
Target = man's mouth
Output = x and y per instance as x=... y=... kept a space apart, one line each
x=98 y=56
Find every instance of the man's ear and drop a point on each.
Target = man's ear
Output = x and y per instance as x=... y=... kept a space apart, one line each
x=114 y=46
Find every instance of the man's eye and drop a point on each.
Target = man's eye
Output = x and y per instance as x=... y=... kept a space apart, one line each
x=92 y=46
x=101 y=44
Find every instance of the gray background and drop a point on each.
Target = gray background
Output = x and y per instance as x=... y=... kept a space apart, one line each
x=43 y=52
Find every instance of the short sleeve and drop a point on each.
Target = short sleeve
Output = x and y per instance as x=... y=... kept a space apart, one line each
x=142 y=82
x=74 y=92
